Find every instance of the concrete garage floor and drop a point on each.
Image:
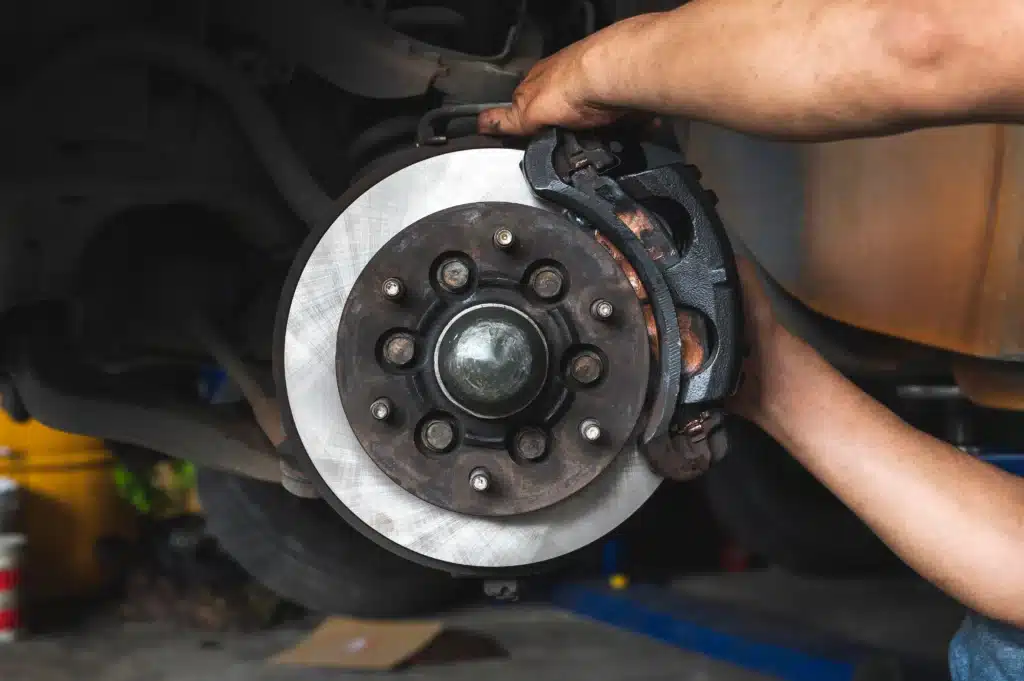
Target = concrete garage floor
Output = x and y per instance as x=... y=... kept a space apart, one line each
x=542 y=643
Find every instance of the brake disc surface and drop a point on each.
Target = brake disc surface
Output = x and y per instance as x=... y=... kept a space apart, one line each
x=350 y=479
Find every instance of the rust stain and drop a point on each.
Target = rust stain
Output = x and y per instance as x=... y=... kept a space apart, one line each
x=636 y=220
x=638 y=289
x=693 y=347
x=652 y=330
x=620 y=259
x=639 y=222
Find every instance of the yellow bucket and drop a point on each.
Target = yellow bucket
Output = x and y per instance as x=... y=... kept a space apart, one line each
x=68 y=500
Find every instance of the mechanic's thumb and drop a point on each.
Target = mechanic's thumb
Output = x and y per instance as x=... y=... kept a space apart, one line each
x=503 y=121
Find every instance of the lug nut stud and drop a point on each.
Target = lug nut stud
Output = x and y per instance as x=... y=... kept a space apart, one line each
x=381 y=409
x=480 y=480
x=504 y=239
x=602 y=309
x=590 y=430
x=393 y=288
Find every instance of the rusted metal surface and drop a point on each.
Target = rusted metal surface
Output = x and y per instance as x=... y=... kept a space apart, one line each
x=519 y=480
x=653 y=237
x=690 y=448
x=693 y=331
x=692 y=328
x=638 y=289
x=918 y=236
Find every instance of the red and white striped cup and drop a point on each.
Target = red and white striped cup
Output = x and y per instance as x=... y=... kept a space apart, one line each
x=11 y=549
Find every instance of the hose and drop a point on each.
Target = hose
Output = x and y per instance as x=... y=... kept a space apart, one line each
x=287 y=171
x=387 y=131
x=426 y=131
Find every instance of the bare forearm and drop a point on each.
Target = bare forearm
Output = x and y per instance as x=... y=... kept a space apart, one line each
x=956 y=520
x=815 y=68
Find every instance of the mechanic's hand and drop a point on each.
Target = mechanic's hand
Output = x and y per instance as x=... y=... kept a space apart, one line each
x=583 y=86
x=555 y=92
x=767 y=341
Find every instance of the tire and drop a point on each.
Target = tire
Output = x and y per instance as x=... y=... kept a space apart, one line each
x=776 y=510
x=304 y=552
x=11 y=402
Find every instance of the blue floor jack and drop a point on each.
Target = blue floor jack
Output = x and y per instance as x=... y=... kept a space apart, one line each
x=763 y=644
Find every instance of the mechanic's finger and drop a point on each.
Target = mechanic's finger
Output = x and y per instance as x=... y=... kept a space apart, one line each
x=504 y=121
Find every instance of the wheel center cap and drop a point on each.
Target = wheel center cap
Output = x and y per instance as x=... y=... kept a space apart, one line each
x=491 y=360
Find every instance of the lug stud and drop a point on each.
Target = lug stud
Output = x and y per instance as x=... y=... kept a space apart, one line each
x=590 y=430
x=393 y=288
x=602 y=309
x=381 y=409
x=480 y=480
x=504 y=239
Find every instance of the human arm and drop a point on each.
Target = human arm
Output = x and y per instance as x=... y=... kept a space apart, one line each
x=954 y=519
x=803 y=69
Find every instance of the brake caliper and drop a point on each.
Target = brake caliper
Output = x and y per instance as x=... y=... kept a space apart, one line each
x=661 y=225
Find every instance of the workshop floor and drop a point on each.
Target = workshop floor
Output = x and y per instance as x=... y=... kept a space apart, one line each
x=541 y=643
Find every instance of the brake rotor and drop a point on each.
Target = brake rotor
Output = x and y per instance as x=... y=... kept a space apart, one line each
x=466 y=362
x=347 y=345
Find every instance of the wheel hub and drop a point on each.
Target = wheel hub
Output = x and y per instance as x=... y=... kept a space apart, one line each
x=492 y=359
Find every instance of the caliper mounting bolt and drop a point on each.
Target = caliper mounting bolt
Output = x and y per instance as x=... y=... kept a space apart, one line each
x=590 y=430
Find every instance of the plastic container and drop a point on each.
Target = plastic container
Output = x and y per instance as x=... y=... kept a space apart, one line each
x=8 y=504
x=67 y=501
x=11 y=553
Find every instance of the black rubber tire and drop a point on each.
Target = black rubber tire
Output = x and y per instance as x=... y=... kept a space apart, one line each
x=11 y=402
x=776 y=510
x=303 y=551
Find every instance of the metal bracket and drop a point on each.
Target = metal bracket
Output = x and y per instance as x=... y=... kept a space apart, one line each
x=684 y=268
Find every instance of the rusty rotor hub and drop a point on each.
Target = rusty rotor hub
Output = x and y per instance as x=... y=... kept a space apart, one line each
x=513 y=366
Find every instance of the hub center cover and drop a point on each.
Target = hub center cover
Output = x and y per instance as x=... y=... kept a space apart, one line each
x=491 y=360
